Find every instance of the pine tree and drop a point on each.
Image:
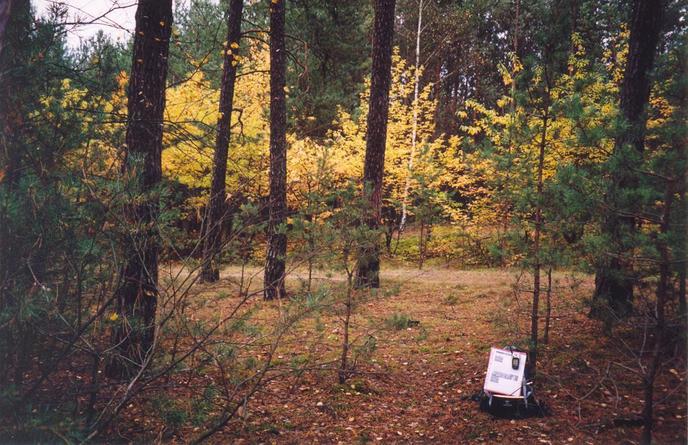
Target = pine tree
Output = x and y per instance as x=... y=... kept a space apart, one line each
x=613 y=277
x=331 y=44
x=212 y=238
x=137 y=292
x=368 y=271
x=15 y=103
x=277 y=238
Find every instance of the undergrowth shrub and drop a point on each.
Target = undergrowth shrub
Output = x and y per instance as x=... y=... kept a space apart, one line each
x=398 y=321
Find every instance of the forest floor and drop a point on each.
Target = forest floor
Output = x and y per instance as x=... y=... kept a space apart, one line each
x=416 y=386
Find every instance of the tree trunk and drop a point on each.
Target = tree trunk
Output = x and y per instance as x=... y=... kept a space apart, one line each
x=535 y=314
x=414 y=129
x=613 y=296
x=137 y=291
x=548 y=308
x=421 y=245
x=344 y=360
x=682 y=250
x=680 y=144
x=663 y=287
x=18 y=25
x=277 y=239
x=212 y=239
x=368 y=270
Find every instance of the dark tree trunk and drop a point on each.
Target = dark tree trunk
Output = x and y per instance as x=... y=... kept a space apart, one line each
x=663 y=289
x=548 y=306
x=216 y=214
x=277 y=239
x=11 y=121
x=344 y=360
x=17 y=26
x=537 y=266
x=5 y=12
x=368 y=271
x=613 y=295
x=420 y=245
x=137 y=292
x=682 y=250
x=680 y=144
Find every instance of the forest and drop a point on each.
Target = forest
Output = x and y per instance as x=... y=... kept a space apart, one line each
x=320 y=221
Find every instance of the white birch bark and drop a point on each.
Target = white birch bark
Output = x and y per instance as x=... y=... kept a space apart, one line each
x=414 y=131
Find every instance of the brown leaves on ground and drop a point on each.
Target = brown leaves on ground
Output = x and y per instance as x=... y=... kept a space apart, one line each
x=416 y=386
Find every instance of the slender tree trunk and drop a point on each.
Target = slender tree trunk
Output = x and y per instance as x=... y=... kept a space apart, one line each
x=663 y=287
x=389 y=237
x=421 y=246
x=517 y=23
x=613 y=296
x=683 y=246
x=137 y=292
x=212 y=236
x=414 y=129
x=535 y=314
x=277 y=239
x=312 y=245
x=310 y=273
x=344 y=361
x=548 y=303
x=680 y=144
x=368 y=270
x=504 y=209
x=14 y=283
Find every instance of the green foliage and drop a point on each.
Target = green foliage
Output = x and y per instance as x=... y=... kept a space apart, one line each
x=333 y=46
x=172 y=413
x=198 y=35
x=398 y=322
x=202 y=405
